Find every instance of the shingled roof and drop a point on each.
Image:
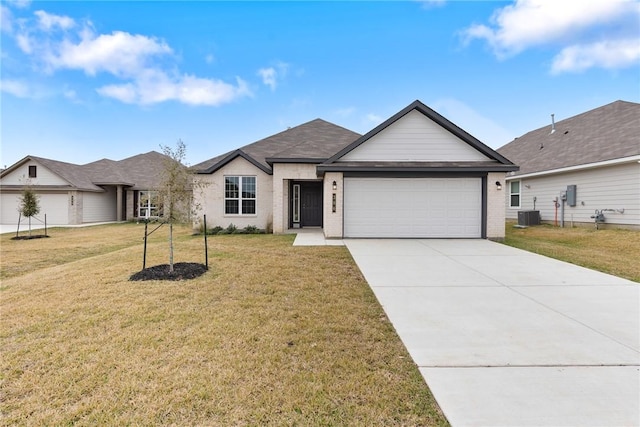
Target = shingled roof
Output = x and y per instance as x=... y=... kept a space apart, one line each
x=311 y=142
x=605 y=133
x=140 y=172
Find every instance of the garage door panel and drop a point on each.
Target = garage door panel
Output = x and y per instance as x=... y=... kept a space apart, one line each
x=413 y=207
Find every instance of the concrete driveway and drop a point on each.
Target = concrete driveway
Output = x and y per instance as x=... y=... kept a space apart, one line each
x=504 y=337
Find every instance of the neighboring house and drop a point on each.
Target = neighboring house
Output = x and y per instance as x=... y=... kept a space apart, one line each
x=577 y=166
x=105 y=190
x=415 y=175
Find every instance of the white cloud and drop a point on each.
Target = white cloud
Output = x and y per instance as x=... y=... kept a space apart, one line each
x=119 y=53
x=59 y=43
x=529 y=23
x=271 y=76
x=49 y=21
x=154 y=86
x=6 y=19
x=268 y=77
x=607 y=54
x=15 y=87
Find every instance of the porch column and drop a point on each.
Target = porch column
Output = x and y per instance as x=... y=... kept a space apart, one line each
x=119 y=203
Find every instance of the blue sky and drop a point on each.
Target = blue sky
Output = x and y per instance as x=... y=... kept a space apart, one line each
x=81 y=81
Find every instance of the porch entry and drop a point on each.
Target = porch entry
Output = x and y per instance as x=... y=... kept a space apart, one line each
x=306 y=204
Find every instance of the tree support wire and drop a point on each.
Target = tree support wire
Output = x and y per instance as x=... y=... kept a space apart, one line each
x=144 y=252
x=206 y=248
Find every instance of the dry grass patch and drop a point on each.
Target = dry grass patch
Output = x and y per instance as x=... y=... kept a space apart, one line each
x=271 y=335
x=613 y=251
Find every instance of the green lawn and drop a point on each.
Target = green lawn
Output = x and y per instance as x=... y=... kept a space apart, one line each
x=271 y=335
x=613 y=251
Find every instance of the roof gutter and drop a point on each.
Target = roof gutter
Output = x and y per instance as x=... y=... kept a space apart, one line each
x=623 y=160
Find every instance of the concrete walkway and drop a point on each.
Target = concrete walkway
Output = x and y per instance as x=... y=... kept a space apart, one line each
x=313 y=237
x=504 y=337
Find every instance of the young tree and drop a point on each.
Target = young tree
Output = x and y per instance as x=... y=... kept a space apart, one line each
x=29 y=205
x=175 y=191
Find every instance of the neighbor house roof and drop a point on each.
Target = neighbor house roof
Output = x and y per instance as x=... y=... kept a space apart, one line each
x=138 y=172
x=605 y=133
x=311 y=142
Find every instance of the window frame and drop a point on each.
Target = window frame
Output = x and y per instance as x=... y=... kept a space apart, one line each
x=33 y=174
x=150 y=207
x=242 y=195
x=516 y=193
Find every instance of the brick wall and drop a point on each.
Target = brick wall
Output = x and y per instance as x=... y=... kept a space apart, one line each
x=495 y=206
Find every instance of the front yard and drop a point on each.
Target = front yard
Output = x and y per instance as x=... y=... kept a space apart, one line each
x=271 y=335
x=613 y=251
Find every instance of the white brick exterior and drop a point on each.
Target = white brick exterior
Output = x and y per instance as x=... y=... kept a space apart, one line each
x=282 y=174
x=495 y=205
x=210 y=198
x=333 y=221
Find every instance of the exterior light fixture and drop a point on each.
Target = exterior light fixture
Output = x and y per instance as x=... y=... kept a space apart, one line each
x=498 y=185
x=335 y=186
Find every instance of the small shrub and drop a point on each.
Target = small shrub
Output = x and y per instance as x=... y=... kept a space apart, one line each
x=229 y=230
x=252 y=229
x=233 y=229
x=215 y=230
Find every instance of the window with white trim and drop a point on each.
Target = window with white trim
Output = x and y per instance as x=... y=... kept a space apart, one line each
x=240 y=195
x=148 y=206
x=514 y=194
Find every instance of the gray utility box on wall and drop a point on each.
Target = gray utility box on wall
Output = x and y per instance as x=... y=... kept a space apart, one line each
x=529 y=218
x=571 y=195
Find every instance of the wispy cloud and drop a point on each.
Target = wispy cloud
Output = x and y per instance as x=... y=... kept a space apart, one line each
x=15 y=87
x=145 y=65
x=6 y=19
x=49 y=21
x=576 y=28
x=608 y=54
x=155 y=87
x=271 y=76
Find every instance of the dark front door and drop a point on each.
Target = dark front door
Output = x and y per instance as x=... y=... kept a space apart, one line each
x=311 y=204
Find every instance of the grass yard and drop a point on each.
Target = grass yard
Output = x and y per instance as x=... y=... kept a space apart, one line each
x=271 y=335
x=612 y=251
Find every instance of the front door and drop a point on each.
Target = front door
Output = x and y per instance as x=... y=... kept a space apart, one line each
x=311 y=204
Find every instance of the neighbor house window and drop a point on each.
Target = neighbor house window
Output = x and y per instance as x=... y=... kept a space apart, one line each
x=240 y=195
x=514 y=194
x=148 y=204
x=33 y=171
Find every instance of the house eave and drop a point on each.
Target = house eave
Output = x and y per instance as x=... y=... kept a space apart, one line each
x=232 y=156
x=303 y=160
x=576 y=168
x=425 y=168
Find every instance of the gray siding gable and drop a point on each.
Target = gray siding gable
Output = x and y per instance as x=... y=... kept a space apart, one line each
x=439 y=120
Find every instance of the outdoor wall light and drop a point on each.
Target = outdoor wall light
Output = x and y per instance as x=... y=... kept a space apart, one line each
x=498 y=185
x=335 y=186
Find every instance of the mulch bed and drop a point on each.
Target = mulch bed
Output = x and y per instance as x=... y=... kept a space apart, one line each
x=181 y=271
x=34 y=236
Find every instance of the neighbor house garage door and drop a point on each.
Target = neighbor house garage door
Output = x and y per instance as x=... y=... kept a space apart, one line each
x=53 y=205
x=413 y=207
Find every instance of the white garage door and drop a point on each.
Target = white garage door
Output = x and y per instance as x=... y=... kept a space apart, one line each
x=54 y=205
x=413 y=207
